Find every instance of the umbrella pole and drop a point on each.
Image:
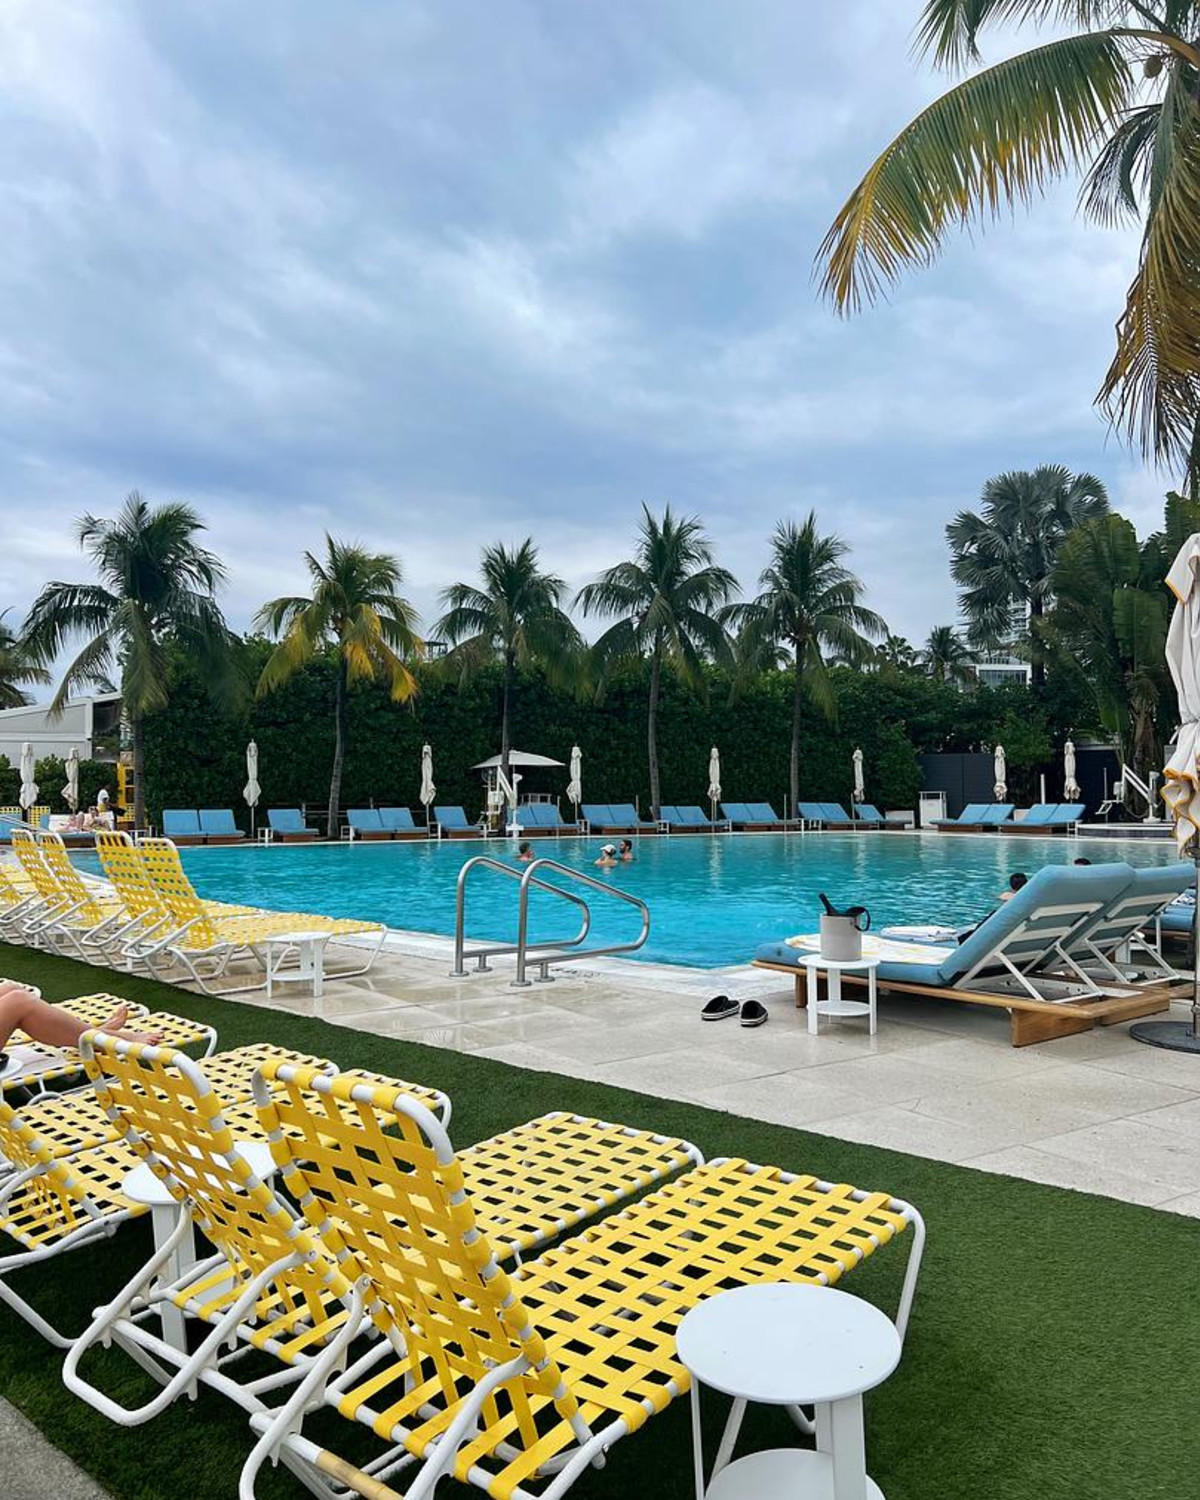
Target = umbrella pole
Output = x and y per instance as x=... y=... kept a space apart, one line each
x=1196 y=942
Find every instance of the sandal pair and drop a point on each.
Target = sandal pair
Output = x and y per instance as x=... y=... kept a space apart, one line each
x=720 y=1007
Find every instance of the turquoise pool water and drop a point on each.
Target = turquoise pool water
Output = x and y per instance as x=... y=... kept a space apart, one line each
x=712 y=900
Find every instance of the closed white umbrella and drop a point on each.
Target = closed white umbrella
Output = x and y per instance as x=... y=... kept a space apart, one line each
x=428 y=790
x=71 y=791
x=714 y=779
x=1070 y=785
x=1001 y=770
x=1181 y=778
x=575 y=785
x=251 y=792
x=29 y=787
x=860 y=786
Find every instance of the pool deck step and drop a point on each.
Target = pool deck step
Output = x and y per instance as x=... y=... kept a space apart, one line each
x=1032 y=1020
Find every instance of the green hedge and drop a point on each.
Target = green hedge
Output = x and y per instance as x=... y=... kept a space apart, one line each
x=195 y=756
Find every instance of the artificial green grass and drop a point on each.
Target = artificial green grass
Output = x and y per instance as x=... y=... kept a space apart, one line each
x=1053 y=1350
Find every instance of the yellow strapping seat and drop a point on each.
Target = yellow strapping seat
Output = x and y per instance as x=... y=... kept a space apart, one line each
x=75 y=1121
x=88 y=916
x=49 y=1206
x=508 y=1382
x=204 y=940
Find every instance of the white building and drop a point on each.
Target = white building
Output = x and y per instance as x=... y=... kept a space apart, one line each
x=90 y=725
x=995 y=668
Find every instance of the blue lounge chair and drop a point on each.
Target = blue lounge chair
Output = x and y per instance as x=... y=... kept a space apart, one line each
x=365 y=823
x=869 y=815
x=1115 y=936
x=764 y=816
x=287 y=826
x=616 y=817
x=218 y=826
x=1010 y=959
x=1047 y=817
x=552 y=821
x=836 y=816
x=1178 y=920
x=812 y=812
x=534 y=819
x=968 y=818
x=452 y=824
x=996 y=814
x=399 y=822
x=698 y=820
x=182 y=825
x=7 y=824
x=754 y=817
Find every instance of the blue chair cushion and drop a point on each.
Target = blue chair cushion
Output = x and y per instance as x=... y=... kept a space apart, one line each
x=181 y=822
x=365 y=820
x=219 y=822
x=397 y=820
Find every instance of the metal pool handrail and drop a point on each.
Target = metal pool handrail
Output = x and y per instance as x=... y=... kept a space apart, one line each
x=580 y=877
x=492 y=950
x=561 y=951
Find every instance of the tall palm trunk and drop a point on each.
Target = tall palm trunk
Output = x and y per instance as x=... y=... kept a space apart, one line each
x=1037 y=608
x=797 y=707
x=652 y=726
x=137 y=738
x=340 y=735
x=505 y=733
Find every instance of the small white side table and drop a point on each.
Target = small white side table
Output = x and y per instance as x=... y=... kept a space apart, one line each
x=142 y=1186
x=787 y=1344
x=835 y=1005
x=310 y=953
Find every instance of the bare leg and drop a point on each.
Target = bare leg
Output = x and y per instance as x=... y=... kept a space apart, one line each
x=20 y=1009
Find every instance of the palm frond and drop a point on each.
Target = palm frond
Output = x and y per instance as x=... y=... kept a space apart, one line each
x=994 y=141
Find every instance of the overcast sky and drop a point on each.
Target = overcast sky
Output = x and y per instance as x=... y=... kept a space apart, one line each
x=433 y=275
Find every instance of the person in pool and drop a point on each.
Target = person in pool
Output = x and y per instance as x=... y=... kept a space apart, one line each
x=626 y=851
x=525 y=852
x=1016 y=882
x=608 y=857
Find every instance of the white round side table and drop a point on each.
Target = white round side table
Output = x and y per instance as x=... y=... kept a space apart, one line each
x=836 y=1005
x=310 y=954
x=789 y=1344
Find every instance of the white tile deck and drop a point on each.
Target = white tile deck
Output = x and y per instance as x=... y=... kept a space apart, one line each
x=1097 y=1112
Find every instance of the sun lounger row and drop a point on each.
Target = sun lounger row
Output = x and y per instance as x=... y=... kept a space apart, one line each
x=1070 y=932
x=374 y=1270
x=983 y=817
x=539 y=819
x=149 y=915
x=834 y=816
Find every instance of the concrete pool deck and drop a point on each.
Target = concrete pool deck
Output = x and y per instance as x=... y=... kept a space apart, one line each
x=1096 y=1112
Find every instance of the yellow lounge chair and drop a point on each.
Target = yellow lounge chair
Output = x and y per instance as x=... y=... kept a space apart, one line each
x=259 y=1291
x=90 y=921
x=51 y=899
x=49 y=1207
x=517 y=1384
x=204 y=942
x=76 y=1120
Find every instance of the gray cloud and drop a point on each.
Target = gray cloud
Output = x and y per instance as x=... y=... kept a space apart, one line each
x=431 y=275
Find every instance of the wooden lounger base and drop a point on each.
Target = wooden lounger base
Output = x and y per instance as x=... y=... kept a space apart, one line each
x=294 y=838
x=1032 y=1020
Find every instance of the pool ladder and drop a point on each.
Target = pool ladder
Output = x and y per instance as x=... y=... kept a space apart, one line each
x=543 y=954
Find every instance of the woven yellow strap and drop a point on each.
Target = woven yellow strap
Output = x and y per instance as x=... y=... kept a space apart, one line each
x=172 y=1117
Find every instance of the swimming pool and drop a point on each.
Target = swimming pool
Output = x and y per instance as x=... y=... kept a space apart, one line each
x=712 y=900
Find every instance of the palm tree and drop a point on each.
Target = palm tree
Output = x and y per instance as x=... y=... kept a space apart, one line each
x=665 y=601
x=156 y=591
x=809 y=602
x=947 y=657
x=1003 y=556
x=1118 y=103
x=897 y=652
x=516 y=616
x=1110 y=621
x=18 y=669
x=355 y=611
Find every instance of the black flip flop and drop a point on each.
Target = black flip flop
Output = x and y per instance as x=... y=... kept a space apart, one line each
x=718 y=1008
x=754 y=1013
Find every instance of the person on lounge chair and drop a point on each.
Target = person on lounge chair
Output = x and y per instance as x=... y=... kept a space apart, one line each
x=21 y=1009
